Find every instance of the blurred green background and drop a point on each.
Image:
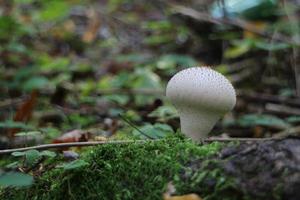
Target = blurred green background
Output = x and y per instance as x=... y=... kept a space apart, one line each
x=100 y=68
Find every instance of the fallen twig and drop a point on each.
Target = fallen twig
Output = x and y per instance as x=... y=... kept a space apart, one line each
x=94 y=143
x=69 y=144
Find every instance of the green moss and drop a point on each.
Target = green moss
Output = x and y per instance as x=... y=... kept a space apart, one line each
x=130 y=171
x=207 y=178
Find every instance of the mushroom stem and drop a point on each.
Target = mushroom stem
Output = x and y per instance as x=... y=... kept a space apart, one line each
x=197 y=125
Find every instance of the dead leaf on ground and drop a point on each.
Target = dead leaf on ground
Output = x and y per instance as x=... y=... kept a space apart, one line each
x=92 y=29
x=73 y=136
x=24 y=112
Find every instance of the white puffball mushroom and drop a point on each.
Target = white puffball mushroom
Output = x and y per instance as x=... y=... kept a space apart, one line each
x=201 y=96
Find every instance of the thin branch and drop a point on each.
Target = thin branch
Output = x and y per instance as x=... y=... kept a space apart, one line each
x=70 y=144
x=94 y=143
x=134 y=126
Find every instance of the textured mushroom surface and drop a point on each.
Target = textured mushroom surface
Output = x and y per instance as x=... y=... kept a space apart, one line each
x=201 y=96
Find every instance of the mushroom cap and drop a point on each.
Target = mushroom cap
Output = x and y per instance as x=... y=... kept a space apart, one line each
x=203 y=88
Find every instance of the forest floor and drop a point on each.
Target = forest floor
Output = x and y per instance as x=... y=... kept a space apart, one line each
x=97 y=71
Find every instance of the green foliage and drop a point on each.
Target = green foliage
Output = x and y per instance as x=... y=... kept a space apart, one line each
x=138 y=58
x=263 y=120
x=48 y=64
x=241 y=47
x=15 y=179
x=171 y=61
x=13 y=124
x=80 y=120
x=43 y=48
x=8 y=25
x=37 y=82
x=28 y=133
x=164 y=32
x=124 y=171
x=155 y=131
x=293 y=119
x=76 y=164
x=53 y=10
x=164 y=113
x=31 y=157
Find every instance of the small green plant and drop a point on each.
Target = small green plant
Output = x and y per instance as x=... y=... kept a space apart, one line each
x=20 y=172
x=31 y=158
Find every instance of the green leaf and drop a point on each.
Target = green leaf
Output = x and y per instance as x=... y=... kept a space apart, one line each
x=251 y=120
x=156 y=131
x=28 y=133
x=271 y=46
x=164 y=113
x=18 y=153
x=119 y=99
x=293 y=119
x=13 y=124
x=157 y=39
x=158 y=25
x=145 y=78
x=171 y=61
x=23 y=1
x=54 y=10
x=49 y=64
x=46 y=153
x=15 y=179
x=31 y=157
x=12 y=165
x=8 y=25
x=239 y=49
x=76 y=164
x=37 y=82
x=133 y=57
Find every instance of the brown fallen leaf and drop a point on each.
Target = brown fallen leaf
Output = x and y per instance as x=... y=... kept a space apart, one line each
x=24 y=112
x=94 y=24
x=73 y=136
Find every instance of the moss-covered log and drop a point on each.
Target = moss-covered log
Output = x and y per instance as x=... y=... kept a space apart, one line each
x=257 y=170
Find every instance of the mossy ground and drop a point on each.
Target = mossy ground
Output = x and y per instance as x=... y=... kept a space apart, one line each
x=132 y=171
